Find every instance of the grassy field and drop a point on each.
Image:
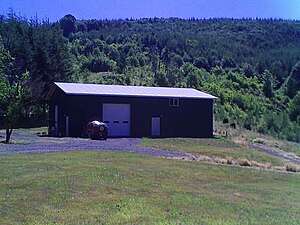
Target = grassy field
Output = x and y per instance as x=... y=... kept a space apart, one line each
x=243 y=135
x=119 y=188
x=216 y=147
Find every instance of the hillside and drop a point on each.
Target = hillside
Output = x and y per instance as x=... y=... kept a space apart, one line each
x=251 y=65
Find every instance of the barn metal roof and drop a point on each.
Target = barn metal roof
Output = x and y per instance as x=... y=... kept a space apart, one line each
x=133 y=91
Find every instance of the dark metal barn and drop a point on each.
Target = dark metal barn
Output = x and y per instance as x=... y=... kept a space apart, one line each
x=130 y=111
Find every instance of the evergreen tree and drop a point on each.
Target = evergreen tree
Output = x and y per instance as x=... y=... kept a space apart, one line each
x=294 y=108
x=68 y=24
x=293 y=83
x=268 y=84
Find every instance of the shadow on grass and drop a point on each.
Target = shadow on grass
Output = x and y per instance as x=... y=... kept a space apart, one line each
x=28 y=123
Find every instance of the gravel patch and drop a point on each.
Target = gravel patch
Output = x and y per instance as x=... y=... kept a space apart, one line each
x=28 y=143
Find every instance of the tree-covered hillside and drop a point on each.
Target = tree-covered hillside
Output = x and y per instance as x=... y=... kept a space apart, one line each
x=253 y=66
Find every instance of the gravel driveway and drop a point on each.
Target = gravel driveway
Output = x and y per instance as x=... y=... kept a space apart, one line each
x=287 y=156
x=30 y=143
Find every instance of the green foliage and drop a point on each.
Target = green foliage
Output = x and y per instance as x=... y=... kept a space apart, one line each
x=13 y=100
x=279 y=125
x=68 y=25
x=293 y=83
x=202 y=62
x=14 y=91
x=268 y=84
x=250 y=65
x=12 y=114
x=40 y=49
x=294 y=108
x=3 y=81
x=99 y=63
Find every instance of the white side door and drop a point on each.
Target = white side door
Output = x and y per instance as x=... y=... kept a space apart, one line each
x=155 y=126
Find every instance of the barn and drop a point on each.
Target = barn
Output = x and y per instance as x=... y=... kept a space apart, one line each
x=130 y=111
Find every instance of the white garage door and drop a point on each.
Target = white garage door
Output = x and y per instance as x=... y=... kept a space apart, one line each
x=117 y=118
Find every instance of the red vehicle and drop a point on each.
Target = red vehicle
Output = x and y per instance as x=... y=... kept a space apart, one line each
x=96 y=130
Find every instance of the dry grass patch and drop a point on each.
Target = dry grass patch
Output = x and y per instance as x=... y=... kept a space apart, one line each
x=241 y=162
x=244 y=162
x=211 y=147
x=293 y=167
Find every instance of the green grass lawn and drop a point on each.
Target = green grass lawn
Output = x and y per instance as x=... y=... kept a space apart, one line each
x=119 y=188
x=27 y=131
x=212 y=147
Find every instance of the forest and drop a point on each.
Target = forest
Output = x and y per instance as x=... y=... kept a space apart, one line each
x=251 y=65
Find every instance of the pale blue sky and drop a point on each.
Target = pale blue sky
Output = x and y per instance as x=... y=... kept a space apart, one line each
x=115 y=9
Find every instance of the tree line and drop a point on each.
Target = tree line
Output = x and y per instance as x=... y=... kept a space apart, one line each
x=251 y=65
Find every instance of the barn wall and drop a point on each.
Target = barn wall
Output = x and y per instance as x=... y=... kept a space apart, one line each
x=193 y=117
x=60 y=99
